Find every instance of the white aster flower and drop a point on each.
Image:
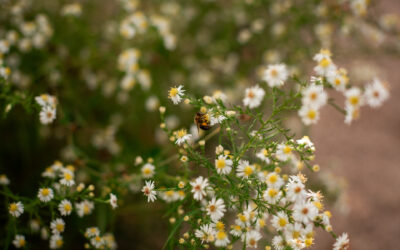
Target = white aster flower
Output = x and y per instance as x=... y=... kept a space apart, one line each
x=263 y=155
x=252 y=238
x=56 y=241
x=113 y=201
x=92 y=232
x=216 y=209
x=149 y=191
x=309 y=115
x=314 y=96
x=338 y=79
x=16 y=209
x=47 y=115
x=223 y=165
x=342 y=242
x=272 y=195
x=276 y=75
x=304 y=212
x=199 y=187
x=84 y=208
x=67 y=178
x=176 y=94
x=295 y=190
x=221 y=239
x=97 y=241
x=65 y=207
x=57 y=226
x=274 y=180
x=284 y=152
x=244 y=169
x=46 y=100
x=278 y=242
x=148 y=170
x=352 y=113
x=253 y=97
x=354 y=97
x=306 y=142
x=280 y=221
x=45 y=194
x=19 y=241
x=376 y=93
x=206 y=233
x=182 y=136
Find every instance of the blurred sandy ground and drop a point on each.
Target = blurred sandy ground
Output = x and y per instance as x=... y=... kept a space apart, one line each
x=367 y=155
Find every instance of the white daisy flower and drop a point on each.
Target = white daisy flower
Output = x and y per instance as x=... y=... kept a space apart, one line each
x=97 y=241
x=57 y=226
x=19 y=241
x=182 y=136
x=46 y=100
x=295 y=191
x=45 y=194
x=16 y=209
x=223 y=165
x=284 y=152
x=274 y=180
x=272 y=195
x=352 y=113
x=314 y=96
x=280 y=221
x=67 y=178
x=263 y=155
x=276 y=75
x=236 y=230
x=338 y=79
x=278 y=242
x=309 y=115
x=304 y=212
x=221 y=239
x=199 y=187
x=176 y=94
x=354 y=97
x=206 y=233
x=56 y=241
x=113 y=201
x=216 y=209
x=252 y=238
x=149 y=191
x=325 y=65
x=84 y=208
x=244 y=169
x=47 y=115
x=65 y=207
x=148 y=170
x=376 y=93
x=306 y=142
x=92 y=232
x=253 y=97
x=342 y=242
x=294 y=231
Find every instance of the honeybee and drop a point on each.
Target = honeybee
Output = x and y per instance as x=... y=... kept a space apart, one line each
x=202 y=121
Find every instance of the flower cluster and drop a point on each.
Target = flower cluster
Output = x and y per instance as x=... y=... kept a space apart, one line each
x=48 y=105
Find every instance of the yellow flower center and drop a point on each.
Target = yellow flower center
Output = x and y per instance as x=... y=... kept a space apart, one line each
x=45 y=192
x=296 y=234
x=173 y=92
x=313 y=96
x=220 y=225
x=272 y=192
x=60 y=227
x=282 y=222
x=274 y=72
x=221 y=235
x=22 y=242
x=13 y=207
x=59 y=242
x=67 y=207
x=287 y=150
x=324 y=63
x=221 y=163
x=311 y=114
x=248 y=170
x=212 y=208
x=265 y=152
x=354 y=100
x=181 y=133
x=67 y=176
x=147 y=171
x=273 y=178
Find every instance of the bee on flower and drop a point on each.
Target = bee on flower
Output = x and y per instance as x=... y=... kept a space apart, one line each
x=176 y=94
x=276 y=75
x=16 y=209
